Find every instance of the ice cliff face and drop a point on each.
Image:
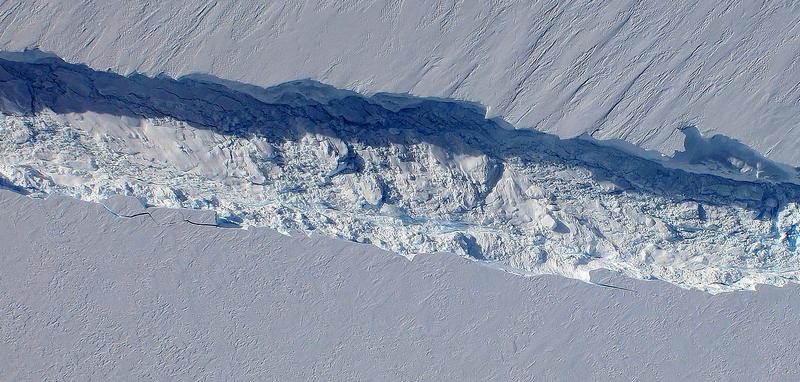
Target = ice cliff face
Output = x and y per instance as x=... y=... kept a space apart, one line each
x=632 y=70
x=408 y=174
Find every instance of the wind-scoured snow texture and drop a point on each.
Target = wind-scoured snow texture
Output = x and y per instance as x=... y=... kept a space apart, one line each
x=411 y=175
x=632 y=70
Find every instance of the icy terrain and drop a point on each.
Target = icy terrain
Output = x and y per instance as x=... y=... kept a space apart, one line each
x=89 y=296
x=632 y=70
x=412 y=175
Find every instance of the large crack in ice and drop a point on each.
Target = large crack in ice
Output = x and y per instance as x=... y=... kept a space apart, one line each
x=411 y=175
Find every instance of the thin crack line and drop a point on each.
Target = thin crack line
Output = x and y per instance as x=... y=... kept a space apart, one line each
x=614 y=287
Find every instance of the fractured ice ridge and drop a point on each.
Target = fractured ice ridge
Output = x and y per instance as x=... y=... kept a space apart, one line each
x=412 y=175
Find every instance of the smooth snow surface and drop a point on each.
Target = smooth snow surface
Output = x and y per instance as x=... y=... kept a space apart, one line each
x=632 y=70
x=89 y=296
x=407 y=174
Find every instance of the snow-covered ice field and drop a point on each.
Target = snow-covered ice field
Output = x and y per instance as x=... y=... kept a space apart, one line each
x=392 y=190
x=632 y=70
x=91 y=296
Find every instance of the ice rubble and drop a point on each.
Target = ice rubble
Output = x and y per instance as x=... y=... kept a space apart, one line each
x=408 y=174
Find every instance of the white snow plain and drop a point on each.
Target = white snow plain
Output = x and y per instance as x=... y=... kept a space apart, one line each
x=89 y=296
x=411 y=175
x=631 y=70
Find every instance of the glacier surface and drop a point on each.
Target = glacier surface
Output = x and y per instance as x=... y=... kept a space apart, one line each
x=409 y=174
x=87 y=296
x=631 y=70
